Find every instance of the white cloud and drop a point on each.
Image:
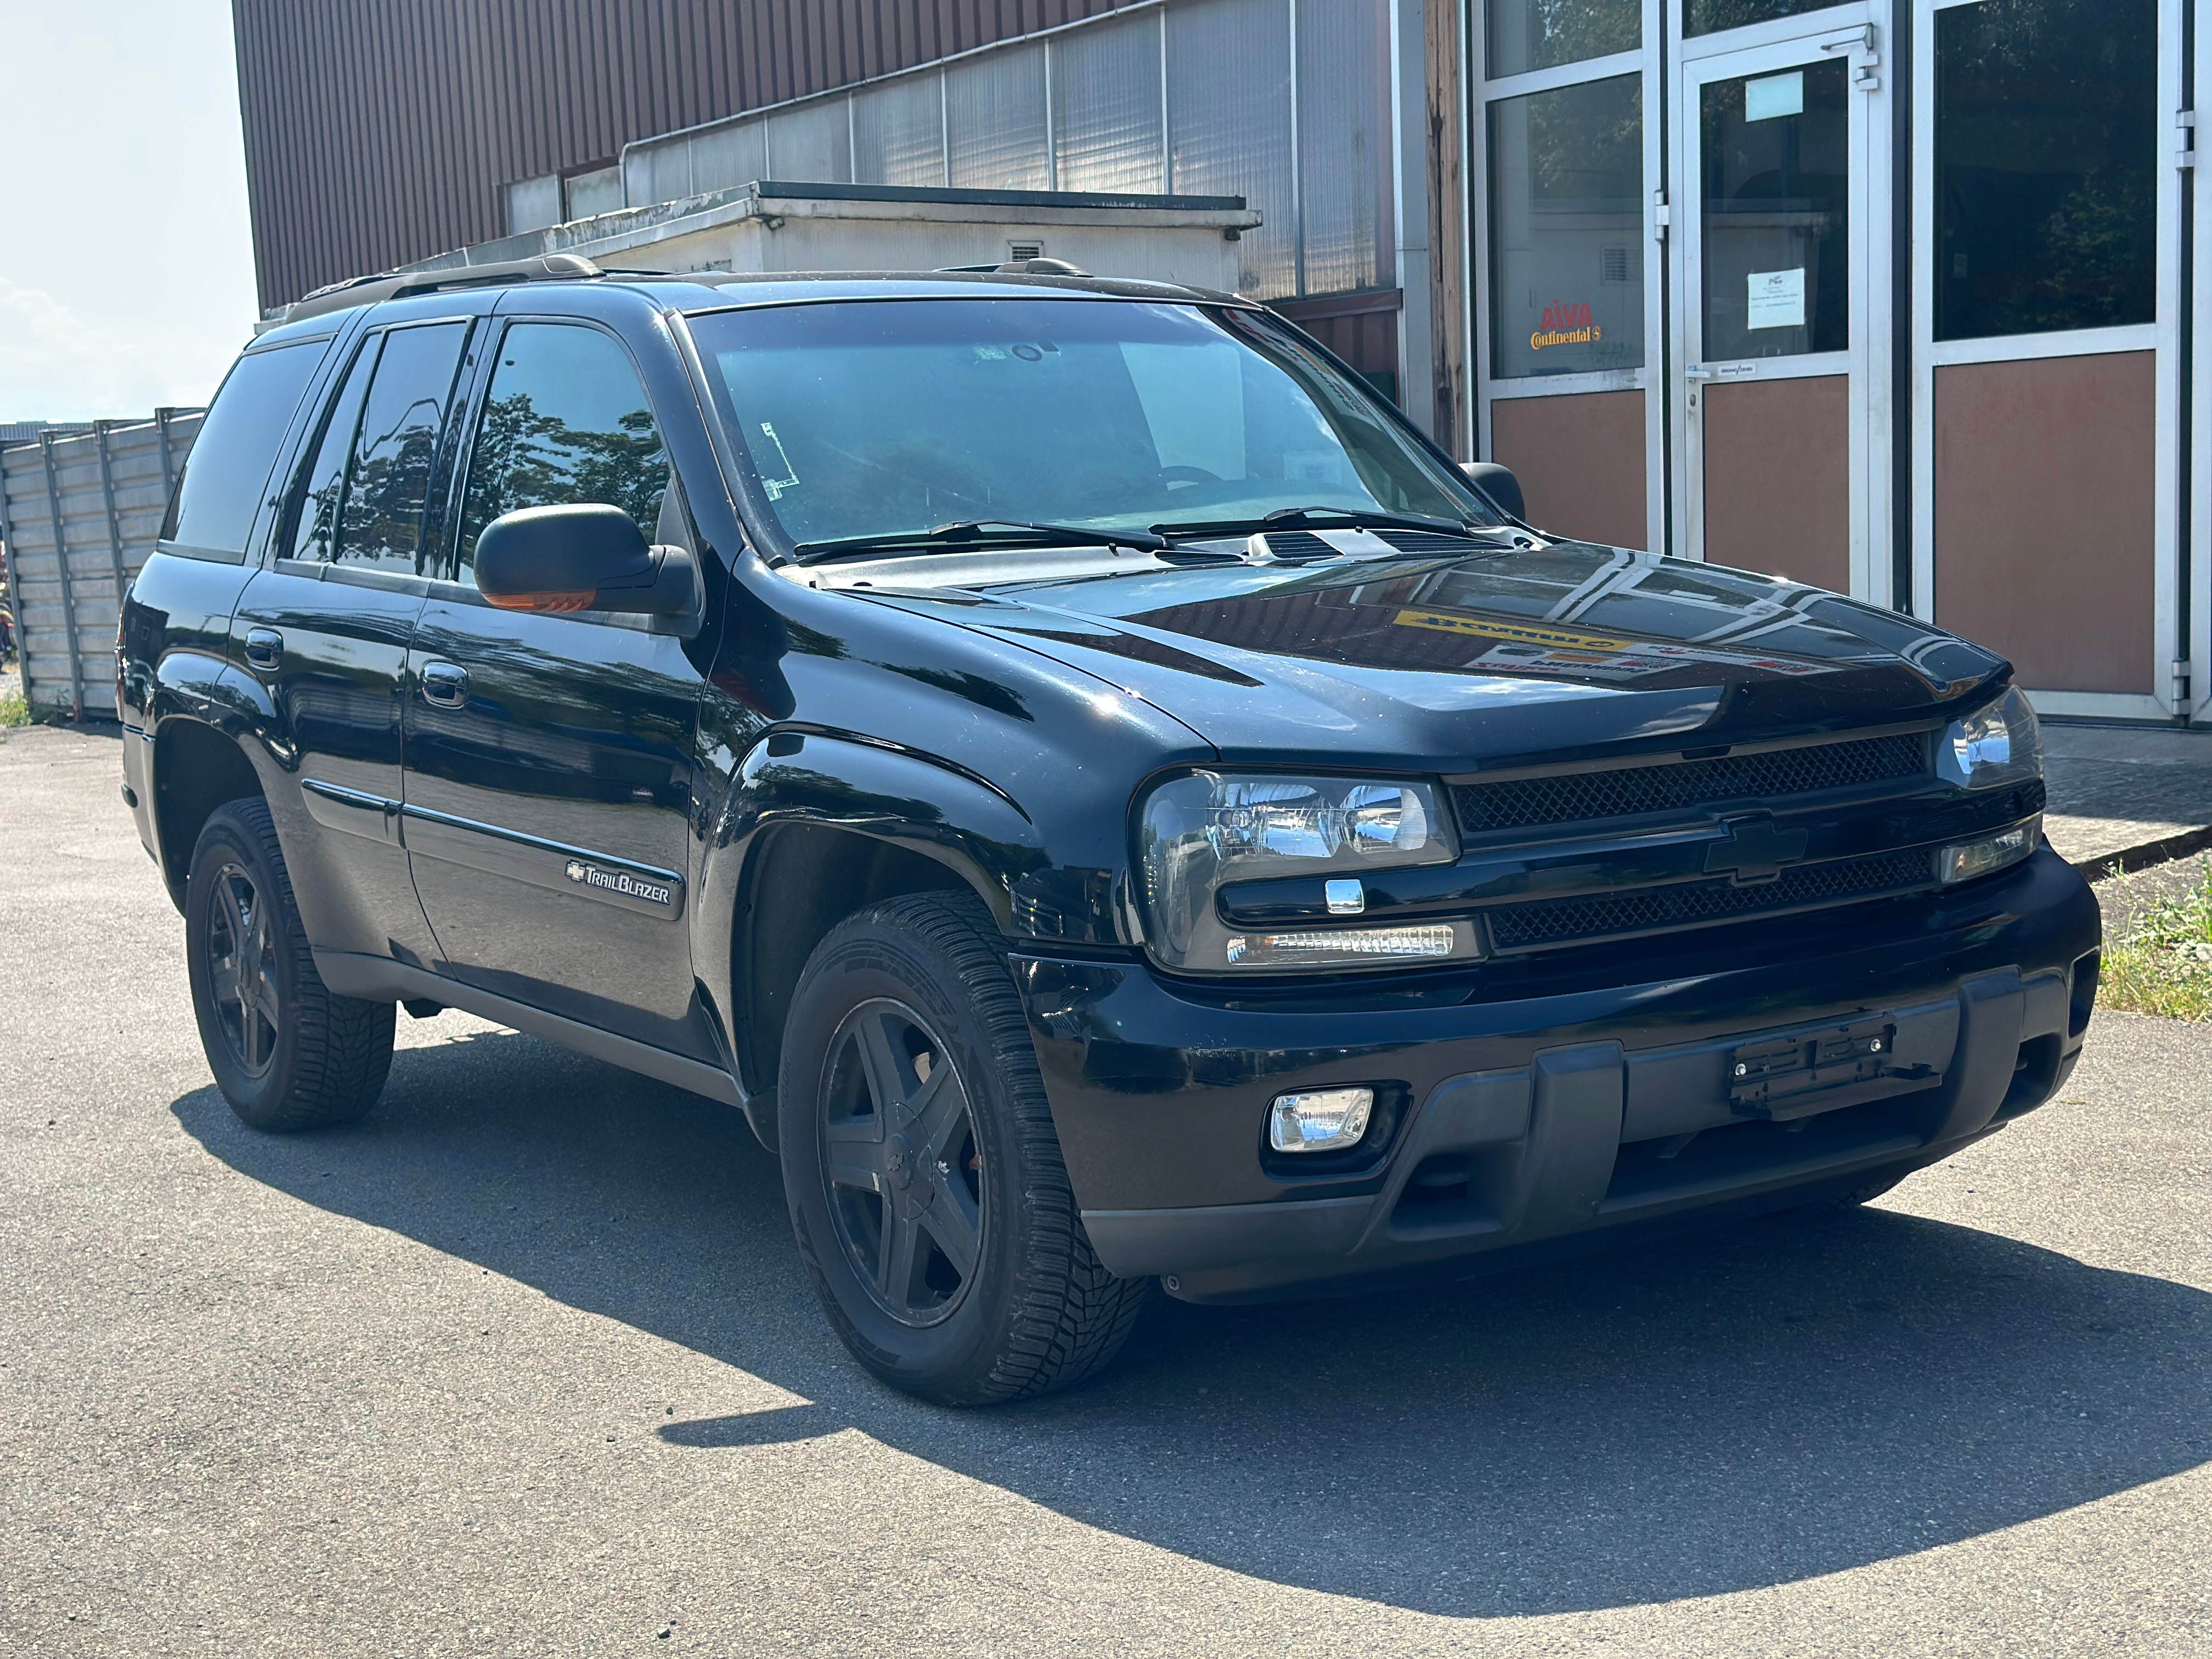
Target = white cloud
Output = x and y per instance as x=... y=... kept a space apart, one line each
x=58 y=365
x=126 y=262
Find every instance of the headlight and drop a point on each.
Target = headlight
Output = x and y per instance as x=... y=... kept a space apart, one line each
x=1197 y=832
x=2000 y=746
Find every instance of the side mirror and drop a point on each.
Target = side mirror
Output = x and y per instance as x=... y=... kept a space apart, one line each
x=1496 y=480
x=587 y=556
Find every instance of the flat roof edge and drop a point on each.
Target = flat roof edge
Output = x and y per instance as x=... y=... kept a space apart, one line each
x=626 y=230
x=794 y=190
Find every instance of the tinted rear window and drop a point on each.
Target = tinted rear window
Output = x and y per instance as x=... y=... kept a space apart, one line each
x=395 y=451
x=230 y=461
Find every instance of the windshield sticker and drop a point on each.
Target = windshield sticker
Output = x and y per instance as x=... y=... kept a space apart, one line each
x=775 y=486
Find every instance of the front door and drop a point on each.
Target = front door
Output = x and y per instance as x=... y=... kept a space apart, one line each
x=1779 y=394
x=549 y=758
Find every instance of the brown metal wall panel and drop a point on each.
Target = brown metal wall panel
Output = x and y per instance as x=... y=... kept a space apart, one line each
x=1778 y=495
x=1580 y=461
x=2061 y=580
x=378 y=131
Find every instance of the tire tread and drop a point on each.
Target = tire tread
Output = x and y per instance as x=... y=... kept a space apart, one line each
x=1071 y=1315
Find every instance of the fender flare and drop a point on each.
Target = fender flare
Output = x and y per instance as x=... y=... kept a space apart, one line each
x=912 y=804
x=200 y=690
x=920 y=802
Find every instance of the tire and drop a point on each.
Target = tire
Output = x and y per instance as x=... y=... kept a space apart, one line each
x=965 y=1171
x=286 y=1053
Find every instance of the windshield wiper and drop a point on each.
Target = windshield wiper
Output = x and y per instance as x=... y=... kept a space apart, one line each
x=981 y=532
x=1308 y=517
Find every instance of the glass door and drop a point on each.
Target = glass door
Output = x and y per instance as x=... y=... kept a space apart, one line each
x=1780 y=387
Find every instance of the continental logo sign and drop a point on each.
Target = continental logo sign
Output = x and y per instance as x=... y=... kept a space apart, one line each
x=1492 y=628
x=1565 y=324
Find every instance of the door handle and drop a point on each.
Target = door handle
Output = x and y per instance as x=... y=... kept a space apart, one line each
x=264 y=648
x=445 y=683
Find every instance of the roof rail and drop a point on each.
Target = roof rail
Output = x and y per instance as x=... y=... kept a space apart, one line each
x=397 y=284
x=1018 y=268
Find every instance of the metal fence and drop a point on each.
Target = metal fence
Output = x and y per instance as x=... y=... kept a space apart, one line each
x=79 y=514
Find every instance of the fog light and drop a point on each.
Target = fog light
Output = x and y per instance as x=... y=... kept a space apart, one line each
x=1319 y=1121
x=1979 y=858
x=1319 y=949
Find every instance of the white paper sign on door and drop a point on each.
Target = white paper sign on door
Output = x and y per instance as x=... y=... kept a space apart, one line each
x=1774 y=95
x=1777 y=299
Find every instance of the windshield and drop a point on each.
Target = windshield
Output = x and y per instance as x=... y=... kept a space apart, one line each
x=884 y=417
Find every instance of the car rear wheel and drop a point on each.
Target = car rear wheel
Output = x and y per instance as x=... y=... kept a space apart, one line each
x=924 y=1180
x=286 y=1052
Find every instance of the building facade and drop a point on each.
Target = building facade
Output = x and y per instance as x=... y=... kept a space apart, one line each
x=1894 y=297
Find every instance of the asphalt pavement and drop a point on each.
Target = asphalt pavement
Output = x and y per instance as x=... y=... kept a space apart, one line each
x=524 y=1364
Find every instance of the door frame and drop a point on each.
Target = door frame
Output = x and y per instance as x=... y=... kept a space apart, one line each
x=1857 y=33
x=2162 y=336
x=1483 y=390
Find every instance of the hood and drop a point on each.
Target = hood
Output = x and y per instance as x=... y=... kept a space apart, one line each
x=1482 y=659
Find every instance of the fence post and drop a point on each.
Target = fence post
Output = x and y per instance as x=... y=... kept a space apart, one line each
x=107 y=499
x=69 y=592
x=8 y=576
x=162 y=419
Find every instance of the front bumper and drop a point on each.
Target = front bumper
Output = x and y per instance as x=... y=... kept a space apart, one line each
x=1522 y=1119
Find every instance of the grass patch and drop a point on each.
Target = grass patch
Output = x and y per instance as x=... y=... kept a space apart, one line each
x=2164 y=963
x=14 y=711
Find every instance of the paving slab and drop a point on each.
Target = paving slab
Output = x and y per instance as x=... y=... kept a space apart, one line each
x=2122 y=796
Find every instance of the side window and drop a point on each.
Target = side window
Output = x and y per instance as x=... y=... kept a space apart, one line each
x=229 y=462
x=396 y=449
x=315 y=520
x=565 y=420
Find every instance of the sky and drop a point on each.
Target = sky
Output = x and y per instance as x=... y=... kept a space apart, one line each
x=126 y=258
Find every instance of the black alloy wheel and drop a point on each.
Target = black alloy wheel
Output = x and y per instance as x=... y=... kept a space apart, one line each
x=287 y=1052
x=900 y=1154
x=927 y=1193
x=242 y=971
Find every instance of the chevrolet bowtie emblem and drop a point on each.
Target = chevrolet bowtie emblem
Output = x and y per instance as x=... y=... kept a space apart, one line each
x=1753 y=851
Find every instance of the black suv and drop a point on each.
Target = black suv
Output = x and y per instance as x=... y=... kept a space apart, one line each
x=1105 y=797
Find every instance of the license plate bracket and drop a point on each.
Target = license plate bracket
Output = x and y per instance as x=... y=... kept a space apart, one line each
x=1797 y=1073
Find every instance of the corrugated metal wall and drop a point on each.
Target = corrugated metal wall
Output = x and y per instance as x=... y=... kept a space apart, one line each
x=78 y=515
x=379 y=132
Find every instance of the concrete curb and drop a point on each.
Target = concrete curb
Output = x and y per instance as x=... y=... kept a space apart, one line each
x=2144 y=854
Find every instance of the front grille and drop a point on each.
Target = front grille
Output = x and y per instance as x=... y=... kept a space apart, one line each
x=1575 y=797
x=1653 y=909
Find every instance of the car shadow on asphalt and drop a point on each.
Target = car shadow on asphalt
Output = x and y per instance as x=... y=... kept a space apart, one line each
x=1769 y=1402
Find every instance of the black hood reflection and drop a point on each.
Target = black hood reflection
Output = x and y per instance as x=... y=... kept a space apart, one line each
x=1483 y=655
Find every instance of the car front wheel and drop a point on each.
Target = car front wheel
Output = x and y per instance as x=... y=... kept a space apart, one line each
x=924 y=1176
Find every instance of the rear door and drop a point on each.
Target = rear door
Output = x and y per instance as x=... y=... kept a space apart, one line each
x=550 y=758
x=325 y=629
